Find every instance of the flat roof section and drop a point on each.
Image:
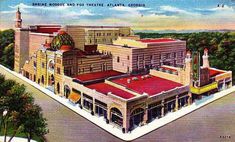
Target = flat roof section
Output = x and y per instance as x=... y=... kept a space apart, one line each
x=151 y=85
x=156 y=40
x=106 y=88
x=97 y=75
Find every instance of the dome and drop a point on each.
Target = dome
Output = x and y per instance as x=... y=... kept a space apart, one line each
x=62 y=38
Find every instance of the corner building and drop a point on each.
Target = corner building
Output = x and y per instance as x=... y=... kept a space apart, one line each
x=113 y=74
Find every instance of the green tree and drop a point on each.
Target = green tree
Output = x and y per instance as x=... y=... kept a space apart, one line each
x=7 y=58
x=23 y=116
x=33 y=122
x=7 y=48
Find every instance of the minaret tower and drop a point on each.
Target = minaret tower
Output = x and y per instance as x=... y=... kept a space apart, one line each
x=21 y=43
x=188 y=68
x=18 y=21
x=205 y=59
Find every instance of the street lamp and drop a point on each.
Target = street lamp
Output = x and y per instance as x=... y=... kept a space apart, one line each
x=5 y=125
x=4 y=112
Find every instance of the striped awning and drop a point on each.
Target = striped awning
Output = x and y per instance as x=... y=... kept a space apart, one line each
x=74 y=97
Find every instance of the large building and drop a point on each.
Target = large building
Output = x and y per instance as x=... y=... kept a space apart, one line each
x=131 y=55
x=113 y=74
x=86 y=38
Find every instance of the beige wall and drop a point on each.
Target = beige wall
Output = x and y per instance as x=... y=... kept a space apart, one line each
x=93 y=35
x=36 y=40
x=118 y=52
x=21 y=48
x=150 y=55
x=78 y=34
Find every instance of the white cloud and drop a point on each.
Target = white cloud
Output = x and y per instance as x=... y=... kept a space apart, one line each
x=172 y=9
x=225 y=8
x=83 y=12
x=86 y=12
x=175 y=10
x=23 y=7
x=129 y=9
x=8 y=12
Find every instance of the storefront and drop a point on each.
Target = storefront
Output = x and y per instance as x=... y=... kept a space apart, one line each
x=116 y=116
x=169 y=105
x=183 y=101
x=137 y=117
x=154 y=111
x=87 y=102
x=101 y=109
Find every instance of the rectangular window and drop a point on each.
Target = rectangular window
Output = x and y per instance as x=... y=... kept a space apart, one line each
x=58 y=70
x=182 y=53
x=168 y=55
x=118 y=59
x=43 y=65
x=128 y=57
x=34 y=64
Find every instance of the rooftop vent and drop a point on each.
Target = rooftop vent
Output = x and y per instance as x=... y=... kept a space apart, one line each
x=134 y=78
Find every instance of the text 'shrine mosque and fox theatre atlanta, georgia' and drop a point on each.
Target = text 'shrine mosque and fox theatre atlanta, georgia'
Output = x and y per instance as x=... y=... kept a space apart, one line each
x=112 y=73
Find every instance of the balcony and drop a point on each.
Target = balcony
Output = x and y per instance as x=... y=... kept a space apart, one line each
x=203 y=89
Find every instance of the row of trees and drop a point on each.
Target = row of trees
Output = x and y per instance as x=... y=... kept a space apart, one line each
x=18 y=112
x=221 y=46
x=7 y=48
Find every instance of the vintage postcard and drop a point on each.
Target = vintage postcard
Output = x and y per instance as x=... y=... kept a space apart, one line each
x=117 y=70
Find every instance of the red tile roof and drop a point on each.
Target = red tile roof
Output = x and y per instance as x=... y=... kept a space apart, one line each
x=105 y=88
x=156 y=40
x=152 y=85
x=214 y=72
x=47 y=29
x=97 y=75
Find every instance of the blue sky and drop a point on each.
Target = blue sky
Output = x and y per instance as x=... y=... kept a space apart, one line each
x=156 y=15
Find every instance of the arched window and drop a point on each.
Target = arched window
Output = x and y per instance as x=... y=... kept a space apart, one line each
x=66 y=91
x=116 y=116
x=42 y=79
x=51 y=65
x=58 y=87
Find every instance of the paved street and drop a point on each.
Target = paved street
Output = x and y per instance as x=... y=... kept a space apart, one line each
x=214 y=122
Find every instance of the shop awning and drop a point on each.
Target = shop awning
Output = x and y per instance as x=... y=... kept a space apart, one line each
x=74 y=97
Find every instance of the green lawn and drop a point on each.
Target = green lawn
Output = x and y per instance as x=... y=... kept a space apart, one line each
x=22 y=135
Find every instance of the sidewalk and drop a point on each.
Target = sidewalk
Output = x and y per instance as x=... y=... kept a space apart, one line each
x=139 y=131
x=16 y=139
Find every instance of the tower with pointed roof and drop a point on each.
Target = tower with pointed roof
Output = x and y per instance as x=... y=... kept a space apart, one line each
x=188 y=68
x=21 y=43
x=18 y=21
x=205 y=59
